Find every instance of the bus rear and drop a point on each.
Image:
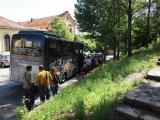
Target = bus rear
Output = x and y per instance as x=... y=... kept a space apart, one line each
x=26 y=49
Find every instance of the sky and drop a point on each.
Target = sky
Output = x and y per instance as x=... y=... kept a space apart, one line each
x=23 y=10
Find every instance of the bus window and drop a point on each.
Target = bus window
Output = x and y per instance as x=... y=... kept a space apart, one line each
x=54 y=48
x=68 y=49
x=27 y=48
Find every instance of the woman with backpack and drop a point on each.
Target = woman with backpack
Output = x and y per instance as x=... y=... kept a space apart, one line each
x=55 y=80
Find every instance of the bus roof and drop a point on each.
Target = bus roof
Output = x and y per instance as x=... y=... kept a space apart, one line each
x=47 y=34
x=39 y=32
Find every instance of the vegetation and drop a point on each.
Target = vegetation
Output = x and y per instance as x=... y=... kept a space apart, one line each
x=98 y=93
x=112 y=22
x=59 y=26
x=90 y=44
x=122 y=25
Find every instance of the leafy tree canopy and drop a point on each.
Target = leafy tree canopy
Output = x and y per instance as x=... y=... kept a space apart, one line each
x=59 y=26
x=90 y=44
x=107 y=21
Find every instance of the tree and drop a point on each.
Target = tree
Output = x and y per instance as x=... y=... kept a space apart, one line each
x=148 y=23
x=58 y=26
x=129 y=28
x=155 y=20
x=99 y=19
x=90 y=44
x=110 y=21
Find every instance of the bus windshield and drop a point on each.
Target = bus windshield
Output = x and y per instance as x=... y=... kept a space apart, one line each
x=28 y=48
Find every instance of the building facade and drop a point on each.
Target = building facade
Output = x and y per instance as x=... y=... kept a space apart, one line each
x=44 y=23
x=7 y=29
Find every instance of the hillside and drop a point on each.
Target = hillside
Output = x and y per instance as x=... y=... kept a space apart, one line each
x=96 y=96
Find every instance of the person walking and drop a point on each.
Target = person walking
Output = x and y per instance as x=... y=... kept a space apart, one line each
x=43 y=81
x=55 y=80
x=27 y=87
x=87 y=65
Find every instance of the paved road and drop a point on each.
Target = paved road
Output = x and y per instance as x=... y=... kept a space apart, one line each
x=11 y=95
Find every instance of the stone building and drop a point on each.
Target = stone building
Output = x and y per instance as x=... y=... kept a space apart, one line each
x=44 y=23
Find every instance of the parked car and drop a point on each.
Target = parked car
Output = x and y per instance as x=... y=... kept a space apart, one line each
x=4 y=59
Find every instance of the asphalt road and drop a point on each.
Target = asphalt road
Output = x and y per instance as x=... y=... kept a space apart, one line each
x=10 y=95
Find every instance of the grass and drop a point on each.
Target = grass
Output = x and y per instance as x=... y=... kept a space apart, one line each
x=96 y=96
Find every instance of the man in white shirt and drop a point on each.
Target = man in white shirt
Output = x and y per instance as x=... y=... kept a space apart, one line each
x=87 y=65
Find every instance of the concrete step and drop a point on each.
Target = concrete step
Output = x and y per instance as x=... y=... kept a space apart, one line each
x=125 y=112
x=154 y=74
x=145 y=96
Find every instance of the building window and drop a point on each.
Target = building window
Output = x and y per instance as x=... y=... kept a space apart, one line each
x=7 y=43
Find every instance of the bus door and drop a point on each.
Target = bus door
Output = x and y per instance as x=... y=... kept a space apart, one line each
x=26 y=49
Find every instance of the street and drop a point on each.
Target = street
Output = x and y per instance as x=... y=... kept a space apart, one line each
x=12 y=92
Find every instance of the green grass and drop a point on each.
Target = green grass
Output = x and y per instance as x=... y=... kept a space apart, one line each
x=96 y=96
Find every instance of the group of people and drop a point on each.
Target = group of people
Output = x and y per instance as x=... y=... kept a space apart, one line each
x=91 y=61
x=47 y=81
x=46 y=84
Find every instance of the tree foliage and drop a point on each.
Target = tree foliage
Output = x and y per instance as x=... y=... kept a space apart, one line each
x=108 y=22
x=59 y=26
x=90 y=44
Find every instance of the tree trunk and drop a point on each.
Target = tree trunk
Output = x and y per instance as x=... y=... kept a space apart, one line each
x=148 y=23
x=118 y=20
x=114 y=54
x=129 y=29
x=157 y=16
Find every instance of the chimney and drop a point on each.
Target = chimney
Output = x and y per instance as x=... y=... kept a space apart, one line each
x=31 y=19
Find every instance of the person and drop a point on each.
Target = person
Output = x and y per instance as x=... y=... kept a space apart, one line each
x=87 y=65
x=80 y=63
x=43 y=81
x=27 y=86
x=55 y=80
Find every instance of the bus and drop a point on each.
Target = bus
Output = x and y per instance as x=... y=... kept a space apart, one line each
x=34 y=47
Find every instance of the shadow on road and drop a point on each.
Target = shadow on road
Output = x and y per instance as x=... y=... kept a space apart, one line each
x=10 y=99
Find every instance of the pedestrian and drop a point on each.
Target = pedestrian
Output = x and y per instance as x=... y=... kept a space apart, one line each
x=27 y=87
x=87 y=64
x=43 y=81
x=80 y=63
x=55 y=80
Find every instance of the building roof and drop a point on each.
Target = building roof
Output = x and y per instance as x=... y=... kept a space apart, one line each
x=44 y=22
x=6 y=23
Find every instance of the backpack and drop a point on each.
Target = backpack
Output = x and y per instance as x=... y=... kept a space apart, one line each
x=56 y=79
